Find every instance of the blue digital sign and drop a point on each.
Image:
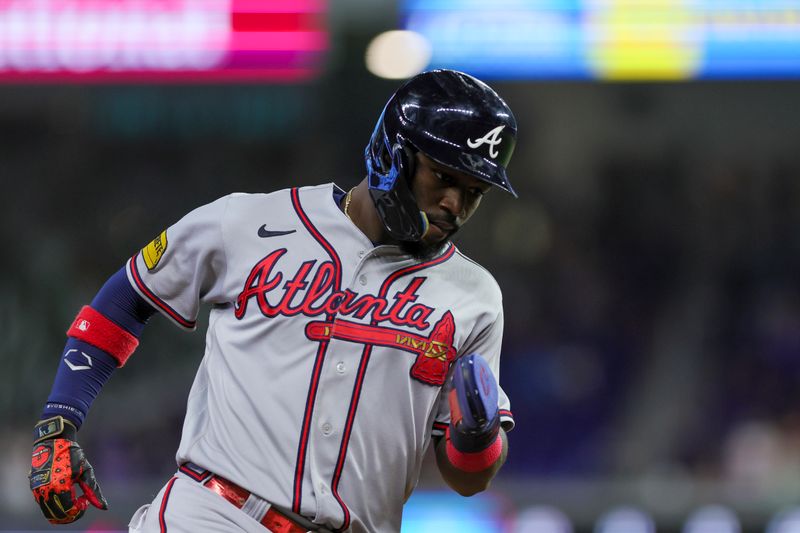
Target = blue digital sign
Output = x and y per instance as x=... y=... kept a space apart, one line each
x=611 y=39
x=435 y=511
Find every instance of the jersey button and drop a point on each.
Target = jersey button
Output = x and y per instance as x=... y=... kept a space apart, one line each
x=340 y=367
x=362 y=253
x=362 y=279
x=326 y=429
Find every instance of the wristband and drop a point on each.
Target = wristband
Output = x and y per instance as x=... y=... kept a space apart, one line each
x=94 y=328
x=475 y=461
x=52 y=428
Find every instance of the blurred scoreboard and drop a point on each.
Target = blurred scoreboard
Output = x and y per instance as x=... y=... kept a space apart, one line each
x=611 y=39
x=161 y=40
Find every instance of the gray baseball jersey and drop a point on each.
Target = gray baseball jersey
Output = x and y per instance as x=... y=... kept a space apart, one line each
x=325 y=360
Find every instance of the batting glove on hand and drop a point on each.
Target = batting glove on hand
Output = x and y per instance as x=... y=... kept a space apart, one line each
x=57 y=465
x=474 y=415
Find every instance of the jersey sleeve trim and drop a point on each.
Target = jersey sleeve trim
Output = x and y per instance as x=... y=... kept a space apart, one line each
x=439 y=429
x=506 y=419
x=138 y=284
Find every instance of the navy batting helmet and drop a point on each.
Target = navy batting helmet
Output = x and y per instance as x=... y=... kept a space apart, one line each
x=453 y=118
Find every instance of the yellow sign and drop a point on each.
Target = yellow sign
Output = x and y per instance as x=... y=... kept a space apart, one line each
x=653 y=39
x=152 y=252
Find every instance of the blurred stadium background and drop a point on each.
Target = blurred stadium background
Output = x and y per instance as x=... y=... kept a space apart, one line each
x=650 y=266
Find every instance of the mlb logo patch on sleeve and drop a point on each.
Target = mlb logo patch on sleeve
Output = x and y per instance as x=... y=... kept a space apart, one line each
x=152 y=252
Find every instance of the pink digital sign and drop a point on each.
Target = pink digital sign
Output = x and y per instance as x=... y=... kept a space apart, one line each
x=140 y=41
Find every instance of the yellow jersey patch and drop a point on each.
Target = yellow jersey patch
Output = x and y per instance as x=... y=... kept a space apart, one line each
x=152 y=252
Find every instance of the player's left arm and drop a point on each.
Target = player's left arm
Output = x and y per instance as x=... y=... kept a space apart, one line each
x=474 y=445
x=468 y=483
x=474 y=412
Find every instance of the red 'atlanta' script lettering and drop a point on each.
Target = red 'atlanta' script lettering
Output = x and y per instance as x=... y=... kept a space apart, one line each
x=317 y=297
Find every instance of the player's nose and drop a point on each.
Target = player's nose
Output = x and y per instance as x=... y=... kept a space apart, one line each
x=453 y=201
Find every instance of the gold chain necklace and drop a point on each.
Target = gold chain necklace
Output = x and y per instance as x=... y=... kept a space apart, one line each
x=347 y=200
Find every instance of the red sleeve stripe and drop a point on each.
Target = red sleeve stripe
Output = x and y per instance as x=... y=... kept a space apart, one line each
x=440 y=425
x=93 y=327
x=506 y=413
x=155 y=300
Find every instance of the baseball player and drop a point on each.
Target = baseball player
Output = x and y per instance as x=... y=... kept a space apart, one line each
x=346 y=335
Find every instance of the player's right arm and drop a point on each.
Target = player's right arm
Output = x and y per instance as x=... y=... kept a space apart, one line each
x=100 y=339
x=169 y=277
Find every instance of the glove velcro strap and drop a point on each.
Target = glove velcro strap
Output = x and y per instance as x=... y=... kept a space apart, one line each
x=54 y=427
x=94 y=328
x=477 y=461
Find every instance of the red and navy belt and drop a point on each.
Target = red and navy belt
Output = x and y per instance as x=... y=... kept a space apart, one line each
x=256 y=507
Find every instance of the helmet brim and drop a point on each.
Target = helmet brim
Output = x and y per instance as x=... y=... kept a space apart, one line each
x=469 y=163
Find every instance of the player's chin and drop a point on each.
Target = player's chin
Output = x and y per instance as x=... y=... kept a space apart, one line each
x=438 y=234
x=424 y=249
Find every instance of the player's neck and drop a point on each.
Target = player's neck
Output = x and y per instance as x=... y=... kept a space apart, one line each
x=364 y=215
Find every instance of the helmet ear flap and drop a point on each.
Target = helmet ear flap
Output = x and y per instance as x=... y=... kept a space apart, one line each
x=396 y=204
x=407 y=168
x=405 y=161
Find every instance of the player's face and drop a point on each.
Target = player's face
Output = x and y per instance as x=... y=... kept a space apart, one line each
x=448 y=197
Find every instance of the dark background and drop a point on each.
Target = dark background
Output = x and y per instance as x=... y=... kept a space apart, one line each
x=649 y=270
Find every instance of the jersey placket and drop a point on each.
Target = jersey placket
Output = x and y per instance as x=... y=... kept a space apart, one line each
x=340 y=390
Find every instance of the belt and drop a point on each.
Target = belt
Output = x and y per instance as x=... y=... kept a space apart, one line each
x=257 y=508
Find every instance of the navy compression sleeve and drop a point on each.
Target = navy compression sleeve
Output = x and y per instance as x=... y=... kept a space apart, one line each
x=85 y=368
x=120 y=303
